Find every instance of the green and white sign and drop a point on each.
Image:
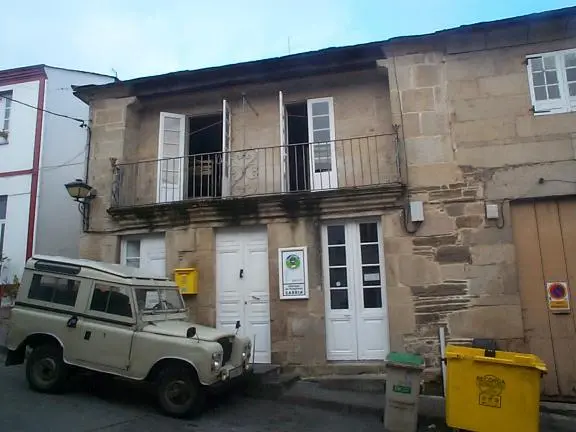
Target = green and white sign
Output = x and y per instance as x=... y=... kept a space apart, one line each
x=293 y=272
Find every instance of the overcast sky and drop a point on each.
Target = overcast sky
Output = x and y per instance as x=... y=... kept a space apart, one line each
x=144 y=37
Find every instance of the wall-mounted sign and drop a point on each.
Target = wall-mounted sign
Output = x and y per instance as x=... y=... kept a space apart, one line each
x=558 y=297
x=293 y=272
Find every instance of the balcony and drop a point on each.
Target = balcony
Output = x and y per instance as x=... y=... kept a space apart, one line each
x=308 y=168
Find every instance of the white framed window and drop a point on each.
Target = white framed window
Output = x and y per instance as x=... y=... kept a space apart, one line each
x=132 y=254
x=147 y=252
x=5 y=108
x=552 y=78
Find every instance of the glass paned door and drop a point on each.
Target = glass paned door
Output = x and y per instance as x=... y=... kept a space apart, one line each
x=321 y=133
x=356 y=314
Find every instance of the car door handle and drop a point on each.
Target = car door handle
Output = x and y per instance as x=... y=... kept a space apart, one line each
x=87 y=335
x=255 y=298
x=71 y=323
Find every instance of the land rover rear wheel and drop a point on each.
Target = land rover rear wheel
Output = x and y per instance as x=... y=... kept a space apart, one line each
x=179 y=392
x=46 y=372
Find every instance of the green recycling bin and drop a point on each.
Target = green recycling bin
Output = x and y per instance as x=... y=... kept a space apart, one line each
x=403 y=375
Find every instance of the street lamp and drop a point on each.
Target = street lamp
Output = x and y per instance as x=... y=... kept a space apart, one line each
x=83 y=193
x=80 y=191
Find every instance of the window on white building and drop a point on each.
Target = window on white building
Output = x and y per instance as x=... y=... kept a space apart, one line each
x=5 y=107
x=552 y=78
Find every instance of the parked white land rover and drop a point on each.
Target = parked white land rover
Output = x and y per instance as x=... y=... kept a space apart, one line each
x=120 y=321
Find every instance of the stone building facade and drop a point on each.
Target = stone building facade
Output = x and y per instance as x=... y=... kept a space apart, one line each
x=450 y=119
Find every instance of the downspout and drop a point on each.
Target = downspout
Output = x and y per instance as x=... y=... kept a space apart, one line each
x=401 y=144
x=86 y=210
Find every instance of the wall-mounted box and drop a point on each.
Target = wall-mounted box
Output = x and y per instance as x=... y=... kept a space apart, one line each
x=416 y=211
x=187 y=280
x=492 y=211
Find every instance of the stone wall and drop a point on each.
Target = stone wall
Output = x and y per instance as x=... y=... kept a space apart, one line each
x=297 y=326
x=463 y=101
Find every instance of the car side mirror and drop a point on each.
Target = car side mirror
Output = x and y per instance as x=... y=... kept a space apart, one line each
x=191 y=332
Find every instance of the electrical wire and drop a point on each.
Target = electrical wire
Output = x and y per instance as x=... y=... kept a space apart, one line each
x=219 y=122
x=67 y=163
x=82 y=122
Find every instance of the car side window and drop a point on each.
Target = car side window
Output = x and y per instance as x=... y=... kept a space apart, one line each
x=111 y=300
x=54 y=289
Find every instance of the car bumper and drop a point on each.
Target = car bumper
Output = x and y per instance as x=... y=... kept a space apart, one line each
x=229 y=372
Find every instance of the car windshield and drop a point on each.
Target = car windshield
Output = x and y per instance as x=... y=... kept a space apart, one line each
x=159 y=299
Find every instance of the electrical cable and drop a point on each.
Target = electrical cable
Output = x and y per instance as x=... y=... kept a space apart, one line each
x=67 y=163
x=82 y=122
x=219 y=122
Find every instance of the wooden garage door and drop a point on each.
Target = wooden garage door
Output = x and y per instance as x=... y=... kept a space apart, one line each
x=545 y=239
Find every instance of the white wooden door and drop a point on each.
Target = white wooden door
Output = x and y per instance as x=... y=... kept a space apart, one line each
x=171 y=156
x=355 y=291
x=321 y=135
x=243 y=287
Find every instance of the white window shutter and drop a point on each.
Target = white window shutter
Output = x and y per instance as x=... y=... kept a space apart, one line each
x=171 y=157
x=226 y=148
x=283 y=143
x=546 y=84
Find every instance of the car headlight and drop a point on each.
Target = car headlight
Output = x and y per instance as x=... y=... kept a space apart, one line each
x=216 y=361
x=247 y=353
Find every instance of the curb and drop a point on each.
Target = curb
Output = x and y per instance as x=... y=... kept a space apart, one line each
x=336 y=406
x=562 y=418
x=561 y=409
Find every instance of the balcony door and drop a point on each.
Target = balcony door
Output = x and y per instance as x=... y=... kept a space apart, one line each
x=171 y=155
x=194 y=156
x=321 y=136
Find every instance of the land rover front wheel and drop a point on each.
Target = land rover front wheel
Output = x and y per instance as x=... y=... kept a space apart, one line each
x=46 y=372
x=179 y=392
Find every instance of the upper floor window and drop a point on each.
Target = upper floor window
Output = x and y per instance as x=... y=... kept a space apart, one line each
x=5 y=106
x=54 y=289
x=552 y=78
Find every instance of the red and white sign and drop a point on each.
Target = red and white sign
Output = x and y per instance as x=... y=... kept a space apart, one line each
x=558 y=296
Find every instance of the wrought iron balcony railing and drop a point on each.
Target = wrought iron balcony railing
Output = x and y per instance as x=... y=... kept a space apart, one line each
x=296 y=168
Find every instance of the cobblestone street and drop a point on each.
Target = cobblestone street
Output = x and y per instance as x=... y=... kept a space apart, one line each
x=81 y=411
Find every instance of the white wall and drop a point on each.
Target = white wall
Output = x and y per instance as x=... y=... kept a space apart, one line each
x=16 y=232
x=63 y=158
x=18 y=153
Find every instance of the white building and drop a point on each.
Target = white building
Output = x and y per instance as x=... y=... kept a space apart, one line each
x=39 y=153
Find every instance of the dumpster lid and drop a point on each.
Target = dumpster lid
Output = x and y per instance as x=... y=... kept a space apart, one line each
x=500 y=357
x=405 y=359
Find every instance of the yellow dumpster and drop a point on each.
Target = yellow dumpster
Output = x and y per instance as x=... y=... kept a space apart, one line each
x=492 y=391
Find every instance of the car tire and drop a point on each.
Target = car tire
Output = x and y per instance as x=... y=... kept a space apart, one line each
x=46 y=371
x=179 y=392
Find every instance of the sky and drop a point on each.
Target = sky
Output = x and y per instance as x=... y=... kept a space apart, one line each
x=134 y=38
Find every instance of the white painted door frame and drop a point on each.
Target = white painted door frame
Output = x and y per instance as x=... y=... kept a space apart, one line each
x=353 y=331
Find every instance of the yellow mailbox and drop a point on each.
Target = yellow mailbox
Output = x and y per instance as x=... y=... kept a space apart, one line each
x=187 y=280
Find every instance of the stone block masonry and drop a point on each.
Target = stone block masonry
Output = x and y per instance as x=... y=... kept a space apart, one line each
x=457 y=271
